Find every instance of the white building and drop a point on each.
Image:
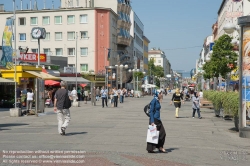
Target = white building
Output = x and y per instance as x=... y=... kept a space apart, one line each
x=159 y=58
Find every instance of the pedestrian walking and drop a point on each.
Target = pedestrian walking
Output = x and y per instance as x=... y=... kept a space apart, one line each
x=177 y=98
x=121 y=95
x=63 y=113
x=74 y=94
x=30 y=98
x=97 y=93
x=86 y=95
x=79 y=94
x=104 y=94
x=115 y=95
x=155 y=119
x=196 y=105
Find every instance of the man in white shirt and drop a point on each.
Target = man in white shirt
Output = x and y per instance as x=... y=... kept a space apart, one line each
x=74 y=94
x=132 y=92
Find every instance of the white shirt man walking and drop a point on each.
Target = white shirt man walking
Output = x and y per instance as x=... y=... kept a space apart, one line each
x=63 y=114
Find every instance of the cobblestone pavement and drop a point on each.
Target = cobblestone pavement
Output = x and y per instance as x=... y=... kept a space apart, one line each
x=117 y=136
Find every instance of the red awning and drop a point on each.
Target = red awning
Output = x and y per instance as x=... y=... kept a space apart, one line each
x=83 y=85
x=51 y=83
x=45 y=71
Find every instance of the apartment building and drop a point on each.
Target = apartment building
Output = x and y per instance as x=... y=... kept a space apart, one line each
x=136 y=32
x=98 y=27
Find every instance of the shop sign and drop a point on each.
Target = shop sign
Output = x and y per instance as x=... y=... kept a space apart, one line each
x=234 y=14
x=31 y=57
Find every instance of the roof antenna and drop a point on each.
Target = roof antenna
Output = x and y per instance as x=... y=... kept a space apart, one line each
x=44 y=4
x=30 y=5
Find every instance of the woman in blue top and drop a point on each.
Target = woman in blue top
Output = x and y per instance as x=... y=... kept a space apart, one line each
x=155 y=119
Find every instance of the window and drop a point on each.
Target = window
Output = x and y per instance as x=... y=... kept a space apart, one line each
x=84 y=51
x=58 y=35
x=84 y=18
x=47 y=36
x=71 y=35
x=84 y=67
x=59 y=51
x=71 y=51
x=22 y=36
x=159 y=61
x=84 y=34
x=46 y=20
x=34 y=50
x=71 y=19
x=46 y=51
x=58 y=19
x=33 y=21
x=22 y=21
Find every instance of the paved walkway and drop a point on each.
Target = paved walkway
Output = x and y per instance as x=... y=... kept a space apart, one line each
x=117 y=136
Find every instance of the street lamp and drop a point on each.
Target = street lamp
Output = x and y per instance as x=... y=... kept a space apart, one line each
x=121 y=67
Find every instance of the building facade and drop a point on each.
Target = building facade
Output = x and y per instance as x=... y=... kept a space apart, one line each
x=136 y=32
x=159 y=58
x=145 y=57
x=98 y=30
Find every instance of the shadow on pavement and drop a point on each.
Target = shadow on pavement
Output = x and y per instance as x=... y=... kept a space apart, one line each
x=11 y=125
x=171 y=149
x=233 y=129
x=75 y=133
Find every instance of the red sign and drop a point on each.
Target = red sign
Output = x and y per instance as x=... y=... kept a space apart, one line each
x=32 y=57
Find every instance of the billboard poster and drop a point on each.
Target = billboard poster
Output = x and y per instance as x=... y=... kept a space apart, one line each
x=246 y=75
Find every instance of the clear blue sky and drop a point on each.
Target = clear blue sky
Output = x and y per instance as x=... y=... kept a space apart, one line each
x=169 y=25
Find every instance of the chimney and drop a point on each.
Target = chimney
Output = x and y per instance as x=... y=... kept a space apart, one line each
x=52 y=4
x=86 y=2
x=35 y=6
x=1 y=7
x=21 y=4
x=30 y=5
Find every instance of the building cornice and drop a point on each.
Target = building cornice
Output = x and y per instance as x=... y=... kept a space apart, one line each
x=57 y=10
x=221 y=6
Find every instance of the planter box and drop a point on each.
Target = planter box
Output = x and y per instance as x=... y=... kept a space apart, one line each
x=15 y=112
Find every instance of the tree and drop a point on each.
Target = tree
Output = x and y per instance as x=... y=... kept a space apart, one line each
x=155 y=71
x=223 y=59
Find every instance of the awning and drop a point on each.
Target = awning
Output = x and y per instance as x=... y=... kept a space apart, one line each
x=43 y=75
x=83 y=85
x=51 y=83
x=52 y=72
x=72 y=80
x=6 y=82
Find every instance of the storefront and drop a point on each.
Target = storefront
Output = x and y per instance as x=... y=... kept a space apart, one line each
x=7 y=92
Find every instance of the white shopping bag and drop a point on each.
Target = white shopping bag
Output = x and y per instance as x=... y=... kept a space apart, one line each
x=151 y=139
x=153 y=130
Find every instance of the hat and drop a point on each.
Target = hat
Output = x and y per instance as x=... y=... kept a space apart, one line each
x=156 y=93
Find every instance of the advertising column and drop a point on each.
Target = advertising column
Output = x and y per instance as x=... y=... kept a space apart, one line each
x=244 y=111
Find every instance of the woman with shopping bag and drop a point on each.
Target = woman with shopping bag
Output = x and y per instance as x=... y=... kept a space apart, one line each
x=155 y=119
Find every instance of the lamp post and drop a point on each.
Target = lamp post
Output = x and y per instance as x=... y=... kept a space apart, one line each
x=121 y=69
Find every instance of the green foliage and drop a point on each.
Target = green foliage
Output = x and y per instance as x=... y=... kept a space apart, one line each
x=155 y=71
x=229 y=101
x=222 y=56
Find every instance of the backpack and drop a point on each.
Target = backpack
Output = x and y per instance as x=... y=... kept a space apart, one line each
x=67 y=102
x=147 y=110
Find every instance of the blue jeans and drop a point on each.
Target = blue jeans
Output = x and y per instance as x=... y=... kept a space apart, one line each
x=97 y=97
x=198 y=111
x=121 y=98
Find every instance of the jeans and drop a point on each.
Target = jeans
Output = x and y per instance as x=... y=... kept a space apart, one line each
x=97 y=97
x=115 y=101
x=104 y=99
x=63 y=117
x=121 y=98
x=198 y=112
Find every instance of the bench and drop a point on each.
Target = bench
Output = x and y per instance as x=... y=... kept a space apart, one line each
x=206 y=104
